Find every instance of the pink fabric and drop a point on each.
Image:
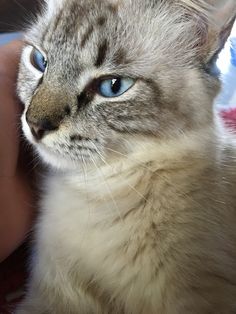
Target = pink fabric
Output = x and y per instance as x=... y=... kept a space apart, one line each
x=229 y=118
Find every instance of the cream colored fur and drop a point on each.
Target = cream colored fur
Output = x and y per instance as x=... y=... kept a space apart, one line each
x=148 y=226
x=132 y=237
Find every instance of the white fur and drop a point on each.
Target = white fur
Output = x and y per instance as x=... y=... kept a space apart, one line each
x=53 y=6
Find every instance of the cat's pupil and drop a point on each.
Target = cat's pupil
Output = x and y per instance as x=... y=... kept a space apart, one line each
x=116 y=85
x=38 y=60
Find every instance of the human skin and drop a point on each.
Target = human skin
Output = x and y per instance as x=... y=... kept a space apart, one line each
x=16 y=196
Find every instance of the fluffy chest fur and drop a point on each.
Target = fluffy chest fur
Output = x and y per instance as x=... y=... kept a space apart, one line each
x=136 y=240
x=116 y=233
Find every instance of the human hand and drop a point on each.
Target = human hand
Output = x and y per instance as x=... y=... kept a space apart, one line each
x=16 y=196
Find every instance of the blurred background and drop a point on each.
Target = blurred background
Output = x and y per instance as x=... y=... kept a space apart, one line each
x=14 y=14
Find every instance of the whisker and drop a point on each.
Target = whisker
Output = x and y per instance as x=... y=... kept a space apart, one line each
x=84 y=170
x=108 y=187
x=20 y=6
x=131 y=158
x=132 y=187
x=179 y=193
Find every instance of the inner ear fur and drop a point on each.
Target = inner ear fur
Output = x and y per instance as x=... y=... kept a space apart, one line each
x=213 y=22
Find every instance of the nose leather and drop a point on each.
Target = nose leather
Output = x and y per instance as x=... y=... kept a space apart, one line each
x=40 y=128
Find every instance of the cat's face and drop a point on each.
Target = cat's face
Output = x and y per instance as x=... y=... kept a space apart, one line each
x=100 y=77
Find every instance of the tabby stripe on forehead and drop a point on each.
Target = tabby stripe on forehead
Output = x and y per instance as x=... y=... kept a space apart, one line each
x=50 y=32
x=57 y=20
x=102 y=51
x=113 y=8
x=87 y=36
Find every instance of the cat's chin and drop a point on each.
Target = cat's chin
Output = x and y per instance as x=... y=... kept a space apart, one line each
x=57 y=161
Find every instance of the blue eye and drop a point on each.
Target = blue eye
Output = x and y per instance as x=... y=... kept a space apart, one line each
x=115 y=87
x=38 y=60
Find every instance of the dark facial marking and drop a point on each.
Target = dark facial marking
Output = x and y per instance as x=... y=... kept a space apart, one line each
x=57 y=20
x=120 y=57
x=101 y=21
x=112 y=8
x=79 y=138
x=128 y=130
x=86 y=36
x=67 y=110
x=52 y=30
x=48 y=125
x=102 y=51
x=71 y=17
x=84 y=98
x=76 y=137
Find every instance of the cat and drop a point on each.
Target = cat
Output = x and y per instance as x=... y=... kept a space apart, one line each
x=138 y=208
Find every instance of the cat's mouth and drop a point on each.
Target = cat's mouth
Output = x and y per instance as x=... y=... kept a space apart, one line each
x=65 y=158
x=62 y=150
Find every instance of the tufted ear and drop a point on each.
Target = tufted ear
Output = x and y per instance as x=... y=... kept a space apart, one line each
x=214 y=20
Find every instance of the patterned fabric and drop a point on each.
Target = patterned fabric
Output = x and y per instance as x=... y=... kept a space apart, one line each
x=229 y=118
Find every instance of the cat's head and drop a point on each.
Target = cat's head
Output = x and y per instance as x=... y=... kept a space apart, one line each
x=99 y=76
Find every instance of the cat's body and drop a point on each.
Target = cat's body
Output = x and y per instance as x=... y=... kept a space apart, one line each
x=143 y=219
x=155 y=238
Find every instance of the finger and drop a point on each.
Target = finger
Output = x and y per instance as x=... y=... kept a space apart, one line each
x=9 y=109
x=17 y=214
x=10 y=56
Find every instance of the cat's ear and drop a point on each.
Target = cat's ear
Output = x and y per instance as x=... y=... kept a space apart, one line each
x=214 y=21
